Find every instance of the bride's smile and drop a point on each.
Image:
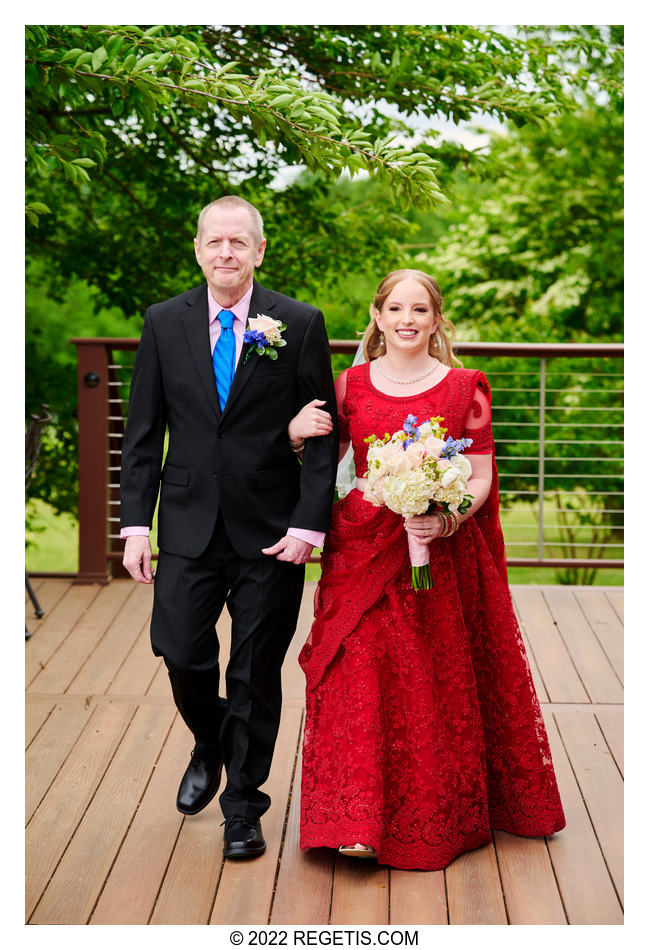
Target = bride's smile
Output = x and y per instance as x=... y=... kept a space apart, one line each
x=407 y=319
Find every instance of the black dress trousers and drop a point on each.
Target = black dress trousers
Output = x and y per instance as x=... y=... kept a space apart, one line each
x=263 y=598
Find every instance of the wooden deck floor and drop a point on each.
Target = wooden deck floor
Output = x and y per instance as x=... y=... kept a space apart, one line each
x=106 y=749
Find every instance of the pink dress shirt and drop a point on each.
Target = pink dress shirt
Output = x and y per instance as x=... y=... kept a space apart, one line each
x=240 y=311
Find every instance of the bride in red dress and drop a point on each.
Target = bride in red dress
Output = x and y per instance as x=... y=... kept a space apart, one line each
x=423 y=729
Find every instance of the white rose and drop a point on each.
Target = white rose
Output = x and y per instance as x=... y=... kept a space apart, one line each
x=463 y=465
x=450 y=476
x=415 y=453
x=267 y=326
x=373 y=499
x=434 y=446
x=376 y=464
x=396 y=459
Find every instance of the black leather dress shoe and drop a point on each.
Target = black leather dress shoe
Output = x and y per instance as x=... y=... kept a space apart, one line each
x=242 y=837
x=201 y=781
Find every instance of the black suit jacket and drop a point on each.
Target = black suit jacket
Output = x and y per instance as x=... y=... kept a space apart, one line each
x=237 y=461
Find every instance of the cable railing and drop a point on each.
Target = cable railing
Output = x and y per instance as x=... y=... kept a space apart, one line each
x=557 y=412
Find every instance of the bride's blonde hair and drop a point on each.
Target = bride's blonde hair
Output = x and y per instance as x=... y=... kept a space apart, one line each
x=441 y=341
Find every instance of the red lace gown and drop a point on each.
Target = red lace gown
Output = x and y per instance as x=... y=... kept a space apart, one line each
x=423 y=729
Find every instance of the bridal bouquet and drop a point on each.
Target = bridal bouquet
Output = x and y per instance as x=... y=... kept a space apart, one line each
x=415 y=472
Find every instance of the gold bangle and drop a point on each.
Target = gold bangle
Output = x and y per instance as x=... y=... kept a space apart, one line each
x=451 y=523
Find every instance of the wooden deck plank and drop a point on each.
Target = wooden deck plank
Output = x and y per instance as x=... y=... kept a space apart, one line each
x=537 y=679
x=361 y=892
x=36 y=582
x=96 y=674
x=606 y=624
x=132 y=886
x=305 y=879
x=417 y=897
x=139 y=668
x=245 y=890
x=37 y=709
x=56 y=626
x=616 y=597
x=555 y=665
x=539 y=685
x=611 y=722
x=529 y=885
x=75 y=885
x=194 y=870
x=592 y=663
x=474 y=889
x=63 y=664
x=56 y=818
x=601 y=786
x=586 y=888
x=292 y=675
x=49 y=750
x=113 y=678
x=50 y=592
x=160 y=685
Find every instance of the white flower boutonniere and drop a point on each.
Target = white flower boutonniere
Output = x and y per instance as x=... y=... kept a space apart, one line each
x=264 y=336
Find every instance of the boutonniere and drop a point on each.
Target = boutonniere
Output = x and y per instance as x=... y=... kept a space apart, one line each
x=264 y=336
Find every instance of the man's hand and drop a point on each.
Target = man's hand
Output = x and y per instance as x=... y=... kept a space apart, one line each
x=137 y=558
x=290 y=549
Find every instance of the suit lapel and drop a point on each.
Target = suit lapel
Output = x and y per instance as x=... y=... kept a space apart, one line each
x=196 y=324
x=260 y=302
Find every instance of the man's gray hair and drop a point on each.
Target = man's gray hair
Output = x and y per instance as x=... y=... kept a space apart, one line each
x=236 y=202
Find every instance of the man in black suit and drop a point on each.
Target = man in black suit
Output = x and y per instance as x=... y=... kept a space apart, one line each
x=238 y=513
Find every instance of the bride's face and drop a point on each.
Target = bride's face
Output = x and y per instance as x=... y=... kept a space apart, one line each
x=407 y=319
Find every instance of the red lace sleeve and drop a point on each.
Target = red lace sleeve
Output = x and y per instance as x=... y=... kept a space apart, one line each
x=343 y=424
x=477 y=425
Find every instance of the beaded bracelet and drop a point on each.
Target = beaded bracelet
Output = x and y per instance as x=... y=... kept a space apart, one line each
x=451 y=523
x=297 y=446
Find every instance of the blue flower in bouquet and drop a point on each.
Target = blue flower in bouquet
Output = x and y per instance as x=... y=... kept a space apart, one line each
x=454 y=447
x=411 y=430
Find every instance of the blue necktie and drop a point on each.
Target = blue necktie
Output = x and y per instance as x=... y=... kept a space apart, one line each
x=223 y=356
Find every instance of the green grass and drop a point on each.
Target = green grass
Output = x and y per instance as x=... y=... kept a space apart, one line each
x=54 y=548
x=55 y=543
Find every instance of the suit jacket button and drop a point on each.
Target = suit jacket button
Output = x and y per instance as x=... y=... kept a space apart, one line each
x=215 y=475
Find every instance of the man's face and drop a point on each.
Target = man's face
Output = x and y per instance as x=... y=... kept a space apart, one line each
x=228 y=252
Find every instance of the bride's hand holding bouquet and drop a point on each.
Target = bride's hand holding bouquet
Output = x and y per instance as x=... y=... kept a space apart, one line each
x=417 y=472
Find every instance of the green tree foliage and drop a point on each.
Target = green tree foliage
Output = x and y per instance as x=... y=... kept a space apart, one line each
x=128 y=129
x=131 y=130
x=539 y=258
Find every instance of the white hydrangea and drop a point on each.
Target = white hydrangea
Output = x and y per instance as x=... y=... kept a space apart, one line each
x=407 y=494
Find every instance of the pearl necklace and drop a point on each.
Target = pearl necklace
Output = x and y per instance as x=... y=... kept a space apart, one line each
x=405 y=382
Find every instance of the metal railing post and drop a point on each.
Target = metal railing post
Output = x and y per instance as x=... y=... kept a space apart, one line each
x=92 y=390
x=541 y=456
